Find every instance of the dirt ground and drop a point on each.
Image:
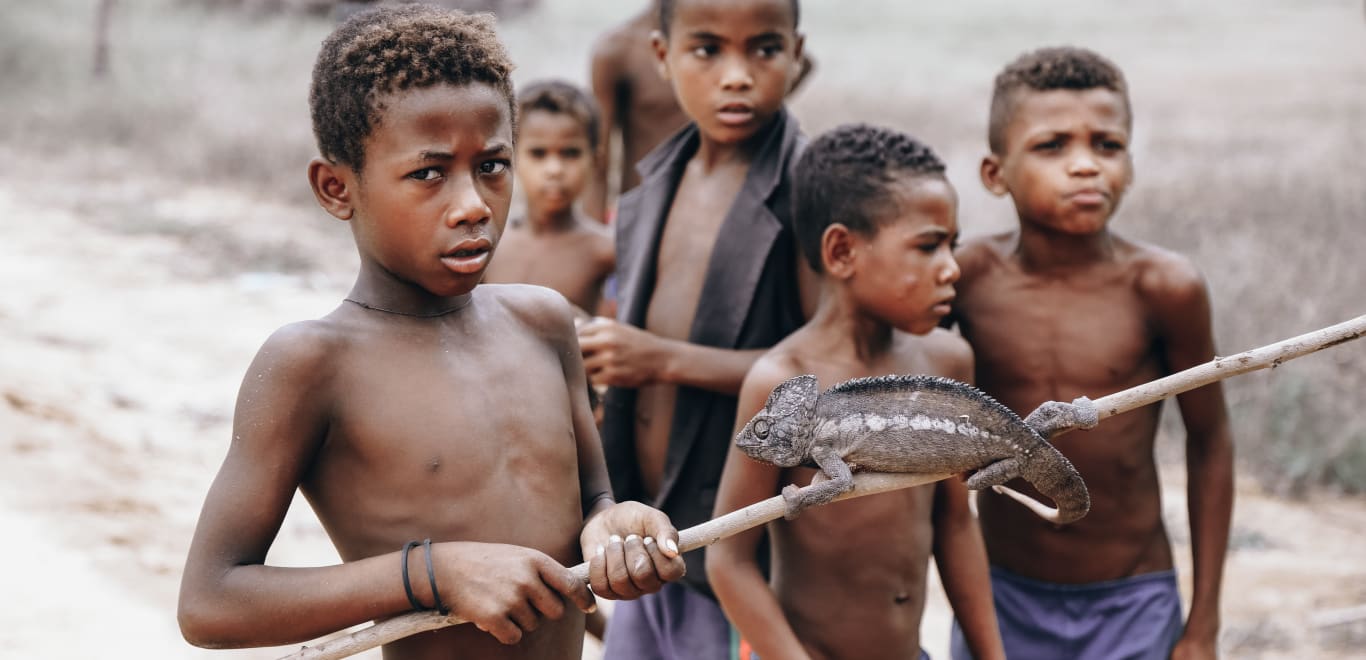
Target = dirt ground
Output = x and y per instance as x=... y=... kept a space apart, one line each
x=115 y=411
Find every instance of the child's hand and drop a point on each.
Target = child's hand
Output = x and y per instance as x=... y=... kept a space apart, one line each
x=618 y=354
x=632 y=550
x=504 y=590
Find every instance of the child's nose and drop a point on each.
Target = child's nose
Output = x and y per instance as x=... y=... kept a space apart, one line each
x=467 y=205
x=1083 y=163
x=950 y=271
x=735 y=74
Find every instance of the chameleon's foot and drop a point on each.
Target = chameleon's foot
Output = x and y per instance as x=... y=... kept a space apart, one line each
x=792 y=501
x=994 y=474
x=1054 y=417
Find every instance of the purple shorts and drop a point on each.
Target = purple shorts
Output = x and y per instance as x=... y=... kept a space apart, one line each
x=676 y=623
x=1134 y=618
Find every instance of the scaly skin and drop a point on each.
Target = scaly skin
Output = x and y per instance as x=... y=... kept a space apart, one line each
x=920 y=424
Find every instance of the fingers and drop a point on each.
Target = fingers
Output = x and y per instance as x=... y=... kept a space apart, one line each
x=640 y=570
x=503 y=629
x=564 y=583
x=669 y=567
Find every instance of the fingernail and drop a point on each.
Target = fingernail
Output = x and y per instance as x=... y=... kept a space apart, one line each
x=640 y=564
x=614 y=539
x=632 y=537
x=601 y=550
x=673 y=547
x=592 y=608
x=649 y=540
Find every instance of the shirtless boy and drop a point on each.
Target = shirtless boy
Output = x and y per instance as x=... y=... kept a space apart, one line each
x=877 y=218
x=407 y=412
x=709 y=275
x=639 y=108
x=1063 y=307
x=553 y=245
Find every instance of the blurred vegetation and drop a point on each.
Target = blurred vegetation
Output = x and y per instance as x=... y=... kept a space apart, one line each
x=1250 y=121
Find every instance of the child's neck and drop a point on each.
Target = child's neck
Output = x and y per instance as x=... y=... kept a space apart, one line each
x=1045 y=250
x=712 y=155
x=550 y=221
x=385 y=294
x=864 y=339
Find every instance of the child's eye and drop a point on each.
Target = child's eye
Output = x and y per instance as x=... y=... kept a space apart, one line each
x=571 y=154
x=704 y=51
x=770 y=50
x=494 y=166
x=1051 y=145
x=426 y=174
x=537 y=153
x=1111 y=145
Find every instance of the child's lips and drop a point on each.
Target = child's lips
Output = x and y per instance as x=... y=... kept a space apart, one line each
x=1088 y=198
x=735 y=114
x=468 y=257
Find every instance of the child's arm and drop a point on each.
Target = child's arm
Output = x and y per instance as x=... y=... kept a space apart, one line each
x=606 y=75
x=962 y=561
x=230 y=598
x=622 y=355
x=732 y=564
x=632 y=549
x=1181 y=310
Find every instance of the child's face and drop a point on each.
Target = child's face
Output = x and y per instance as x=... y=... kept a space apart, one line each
x=731 y=62
x=904 y=273
x=1066 y=161
x=436 y=185
x=553 y=159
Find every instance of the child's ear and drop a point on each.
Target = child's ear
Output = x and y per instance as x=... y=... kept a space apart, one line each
x=838 y=251
x=329 y=185
x=660 y=44
x=991 y=175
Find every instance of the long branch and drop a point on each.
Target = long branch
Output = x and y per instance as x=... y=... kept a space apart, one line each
x=870 y=483
x=707 y=533
x=1271 y=355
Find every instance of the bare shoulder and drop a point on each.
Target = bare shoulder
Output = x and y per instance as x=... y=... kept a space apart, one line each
x=601 y=244
x=540 y=309
x=770 y=370
x=981 y=255
x=1166 y=280
x=611 y=49
x=304 y=349
x=949 y=353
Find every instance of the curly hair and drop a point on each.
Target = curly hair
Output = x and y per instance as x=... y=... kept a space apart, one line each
x=845 y=176
x=562 y=98
x=666 y=14
x=1045 y=69
x=391 y=49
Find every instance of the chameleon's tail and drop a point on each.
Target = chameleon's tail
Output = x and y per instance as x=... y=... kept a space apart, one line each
x=1053 y=475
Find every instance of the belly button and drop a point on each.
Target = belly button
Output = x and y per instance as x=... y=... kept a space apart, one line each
x=434 y=465
x=901 y=598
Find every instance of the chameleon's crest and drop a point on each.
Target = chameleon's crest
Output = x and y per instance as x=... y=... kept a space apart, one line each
x=779 y=433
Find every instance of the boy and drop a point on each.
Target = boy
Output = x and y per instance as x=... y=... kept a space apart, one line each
x=876 y=217
x=638 y=105
x=709 y=276
x=404 y=414
x=557 y=144
x=1063 y=307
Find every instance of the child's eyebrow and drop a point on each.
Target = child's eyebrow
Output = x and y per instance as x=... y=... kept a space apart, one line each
x=495 y=149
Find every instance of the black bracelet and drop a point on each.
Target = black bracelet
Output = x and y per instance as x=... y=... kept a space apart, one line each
x=408 y=586
x=431 y=578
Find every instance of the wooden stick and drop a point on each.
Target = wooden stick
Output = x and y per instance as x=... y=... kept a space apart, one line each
x=756 y=514
x=707 y=533
x=1271 y=355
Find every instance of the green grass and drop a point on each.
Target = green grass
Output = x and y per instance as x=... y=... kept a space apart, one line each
x=1250 y=118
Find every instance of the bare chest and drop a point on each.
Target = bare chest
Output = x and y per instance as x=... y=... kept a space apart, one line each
x=1058 y=341
x=564 y=264
x=685 y=248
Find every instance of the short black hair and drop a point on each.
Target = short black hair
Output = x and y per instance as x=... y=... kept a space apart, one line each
x=562 y=98
x=386 y=50
x=845 y=176
x=666 y=14
x=1045 y=69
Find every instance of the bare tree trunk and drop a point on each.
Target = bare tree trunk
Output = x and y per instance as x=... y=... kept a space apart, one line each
x=103 y=12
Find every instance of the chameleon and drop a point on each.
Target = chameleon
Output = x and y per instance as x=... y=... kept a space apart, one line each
x=924 y=424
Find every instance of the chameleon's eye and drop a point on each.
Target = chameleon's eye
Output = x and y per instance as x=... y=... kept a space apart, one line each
x=761 y=428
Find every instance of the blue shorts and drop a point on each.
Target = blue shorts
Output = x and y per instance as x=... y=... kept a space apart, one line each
x=675 y=623
x=1134 y=618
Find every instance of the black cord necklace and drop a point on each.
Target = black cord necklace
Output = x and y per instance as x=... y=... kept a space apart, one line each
x=443 y=312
